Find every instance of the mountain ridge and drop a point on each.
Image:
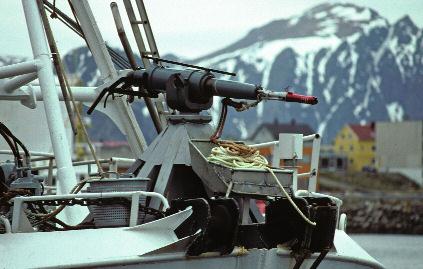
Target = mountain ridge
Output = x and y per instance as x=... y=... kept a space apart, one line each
x=361 y=67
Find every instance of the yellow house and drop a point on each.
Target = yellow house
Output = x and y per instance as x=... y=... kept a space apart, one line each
x=357 y=142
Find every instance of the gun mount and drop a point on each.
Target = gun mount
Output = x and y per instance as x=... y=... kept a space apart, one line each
x=192 y=90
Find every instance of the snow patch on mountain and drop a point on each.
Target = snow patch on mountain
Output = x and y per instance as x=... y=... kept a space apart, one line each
x=395 y=111
x=351 y=13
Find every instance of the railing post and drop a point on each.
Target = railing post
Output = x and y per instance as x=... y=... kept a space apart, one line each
x=135 y=204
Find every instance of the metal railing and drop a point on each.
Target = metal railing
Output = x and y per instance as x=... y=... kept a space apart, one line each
x=314 y=161
x=133 y=195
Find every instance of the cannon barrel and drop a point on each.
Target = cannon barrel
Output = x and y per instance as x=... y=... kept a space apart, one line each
x=203 y=85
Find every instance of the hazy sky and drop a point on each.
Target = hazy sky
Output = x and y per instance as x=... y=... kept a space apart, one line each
x=189 y=28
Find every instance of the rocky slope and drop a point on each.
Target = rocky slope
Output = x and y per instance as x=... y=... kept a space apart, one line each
x=361 y=67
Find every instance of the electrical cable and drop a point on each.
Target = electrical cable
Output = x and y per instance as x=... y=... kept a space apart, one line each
x=118 y=60
x=12 y=147
x=298 y=262
x=319 y=259
x=12 y=142
x=75 y=190
x=15 y=139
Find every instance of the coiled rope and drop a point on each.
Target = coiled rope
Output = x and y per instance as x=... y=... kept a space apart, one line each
x=234 y=155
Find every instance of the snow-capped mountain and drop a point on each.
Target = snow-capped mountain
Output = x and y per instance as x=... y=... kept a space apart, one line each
x=361 y=67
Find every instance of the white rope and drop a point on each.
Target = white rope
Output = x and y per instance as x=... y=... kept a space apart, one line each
x=226 y=156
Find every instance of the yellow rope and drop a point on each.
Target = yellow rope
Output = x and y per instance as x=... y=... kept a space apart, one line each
x=234 y=155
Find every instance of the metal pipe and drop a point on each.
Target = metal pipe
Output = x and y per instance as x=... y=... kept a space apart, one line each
x=87 y=162
x=128 y=51
x=81 y=94
x=18 y=69
x=122 y=160
x=32 y=153
x=78 y=163
x=57 y=64
x=65 y=172
x=314 y=163
x=272 y=143
x=310 y=137
x=304 y=174
x=18 y=81
x=38 y=159
x=264 y=145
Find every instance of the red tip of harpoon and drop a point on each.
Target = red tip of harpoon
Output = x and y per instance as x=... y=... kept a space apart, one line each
x=298 y=98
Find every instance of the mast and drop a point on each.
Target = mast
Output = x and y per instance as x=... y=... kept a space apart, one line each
x=65 y=171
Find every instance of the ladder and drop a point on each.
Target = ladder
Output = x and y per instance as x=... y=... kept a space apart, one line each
x=152 y=51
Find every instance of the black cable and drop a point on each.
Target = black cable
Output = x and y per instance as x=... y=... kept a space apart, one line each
x=42 y=188
x=10 y=144
x=42 y=209
x=118 y=60
x=319 y=259
x=299 y=262
x=118 y=56
x=15 y=139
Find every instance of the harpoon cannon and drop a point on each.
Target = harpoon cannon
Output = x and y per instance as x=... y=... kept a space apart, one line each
x=192 y=90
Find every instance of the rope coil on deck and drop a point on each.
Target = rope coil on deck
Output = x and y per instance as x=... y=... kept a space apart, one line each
x=235 y=155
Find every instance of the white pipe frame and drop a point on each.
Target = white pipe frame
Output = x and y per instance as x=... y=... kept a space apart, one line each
x=18 y=81
x=19 y=69
x=81 y=94
x=32 y=153
x=273 y=143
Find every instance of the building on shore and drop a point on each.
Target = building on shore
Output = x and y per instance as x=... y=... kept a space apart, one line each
x=399 y=148
x=357 y=142
x=330 y=161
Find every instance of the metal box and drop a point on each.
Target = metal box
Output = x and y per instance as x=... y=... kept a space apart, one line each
x=246 y=182
x=291 y=146
x=116 y=214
